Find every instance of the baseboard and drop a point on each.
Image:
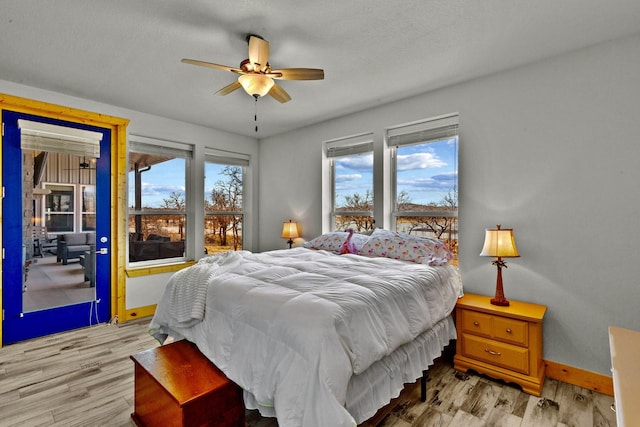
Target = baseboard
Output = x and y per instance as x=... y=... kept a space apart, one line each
x=579 y=377
x=136 y=313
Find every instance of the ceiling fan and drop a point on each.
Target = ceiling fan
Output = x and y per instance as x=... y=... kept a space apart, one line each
x=256 y=76
x=85 y=165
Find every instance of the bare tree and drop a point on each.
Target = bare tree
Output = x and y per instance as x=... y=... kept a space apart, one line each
x=226 y=196
x=175 y=201
x=356 y=203
x=441 y=227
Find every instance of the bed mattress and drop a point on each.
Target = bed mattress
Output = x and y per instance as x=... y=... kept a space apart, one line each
x=308 y=333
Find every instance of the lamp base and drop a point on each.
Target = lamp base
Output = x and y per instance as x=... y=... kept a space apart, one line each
x=499 y=298
x=501 y=302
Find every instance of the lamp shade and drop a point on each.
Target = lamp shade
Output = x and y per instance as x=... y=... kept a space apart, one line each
x=500 y=243
x=256 y=84
x=290 y=230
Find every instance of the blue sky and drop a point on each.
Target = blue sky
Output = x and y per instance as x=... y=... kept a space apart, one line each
x=161 y=180
x=427 y=172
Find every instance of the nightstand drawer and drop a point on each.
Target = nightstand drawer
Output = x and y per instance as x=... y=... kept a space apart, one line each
x=476 y=323
x=502 y=328
x=511 y=330
x=496 y=353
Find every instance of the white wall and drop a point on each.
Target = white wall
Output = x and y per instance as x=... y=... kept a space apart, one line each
x=146 y=290
x=551 y=149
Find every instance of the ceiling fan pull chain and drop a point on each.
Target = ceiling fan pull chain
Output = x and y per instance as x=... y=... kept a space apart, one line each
x=255 y=115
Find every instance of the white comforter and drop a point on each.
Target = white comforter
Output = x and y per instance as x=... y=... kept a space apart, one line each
x=292 y=326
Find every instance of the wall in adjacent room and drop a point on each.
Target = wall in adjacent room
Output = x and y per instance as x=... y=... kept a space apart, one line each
x=551 y=149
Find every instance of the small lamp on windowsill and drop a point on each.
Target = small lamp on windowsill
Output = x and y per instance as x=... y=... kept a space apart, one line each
x=290 y=231
x=499 y=243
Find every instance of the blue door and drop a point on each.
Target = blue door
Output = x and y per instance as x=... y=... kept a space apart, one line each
x=24 y=254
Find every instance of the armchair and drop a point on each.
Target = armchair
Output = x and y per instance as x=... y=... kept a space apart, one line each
x=73 y=245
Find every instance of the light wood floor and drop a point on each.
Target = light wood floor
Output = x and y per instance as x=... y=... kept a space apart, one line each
x=85 y=378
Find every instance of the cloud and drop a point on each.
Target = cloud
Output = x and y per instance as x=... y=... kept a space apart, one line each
x=153 y=194
x=438 y=182
x=160 y=189
x=356 y=162
x=352 y=188
x=348 y=177
x=418 y=161
x=448 y=176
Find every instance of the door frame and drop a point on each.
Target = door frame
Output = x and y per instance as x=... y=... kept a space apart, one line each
x=118 y=128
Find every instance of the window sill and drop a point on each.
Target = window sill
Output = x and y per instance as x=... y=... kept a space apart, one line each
x=157 y=269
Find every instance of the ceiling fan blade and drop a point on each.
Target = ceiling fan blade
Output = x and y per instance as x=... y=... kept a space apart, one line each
x=229 y=88
x=279 y=94
x=258 y=53
x=299 y=74
x=212 y=65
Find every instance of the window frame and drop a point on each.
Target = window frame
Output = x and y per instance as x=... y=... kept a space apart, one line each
x=227 y=158
x=385 y=209
x=73 y=213
x=353 y=145
x=422 y=132
x=83 y=212
x=172 y=149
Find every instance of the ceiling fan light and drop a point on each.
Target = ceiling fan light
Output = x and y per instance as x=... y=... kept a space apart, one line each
x=256 y=84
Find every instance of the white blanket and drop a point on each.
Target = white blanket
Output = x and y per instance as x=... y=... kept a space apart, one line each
x=291 y=327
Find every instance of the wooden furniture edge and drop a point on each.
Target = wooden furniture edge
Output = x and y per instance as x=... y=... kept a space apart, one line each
x=529 y=383
x=526 y=311
x=139 y=312
x=158 y=269
x=579 y=377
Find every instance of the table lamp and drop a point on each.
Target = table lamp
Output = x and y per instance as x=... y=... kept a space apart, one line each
x=290 y=231
x=499 y=243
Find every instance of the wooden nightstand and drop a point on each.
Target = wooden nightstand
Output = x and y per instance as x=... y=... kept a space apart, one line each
x=502 y=342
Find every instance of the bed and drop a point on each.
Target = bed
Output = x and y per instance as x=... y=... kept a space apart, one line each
x=314 y=337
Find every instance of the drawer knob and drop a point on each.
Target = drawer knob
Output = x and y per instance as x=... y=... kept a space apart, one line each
x=493 y=353
x=508 y=330
x=476 y=323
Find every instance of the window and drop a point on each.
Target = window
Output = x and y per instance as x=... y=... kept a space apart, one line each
x=59 y=208
x=424 y=163
x=223 y=200
x=88 y=207
x=157 y=199
x=351 y=171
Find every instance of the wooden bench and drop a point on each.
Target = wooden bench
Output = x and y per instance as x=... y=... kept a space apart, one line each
x=176 y=385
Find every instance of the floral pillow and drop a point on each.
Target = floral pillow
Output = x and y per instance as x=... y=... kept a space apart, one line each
x=358 y=240
x=422 y=250
x=334 y=240
x=348 y=247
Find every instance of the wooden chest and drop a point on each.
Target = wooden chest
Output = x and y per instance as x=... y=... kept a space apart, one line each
x=176 y=385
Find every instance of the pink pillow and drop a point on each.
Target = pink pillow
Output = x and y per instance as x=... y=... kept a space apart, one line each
x=348 y=247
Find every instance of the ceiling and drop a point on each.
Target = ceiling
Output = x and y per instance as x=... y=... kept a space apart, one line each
x=127 y=53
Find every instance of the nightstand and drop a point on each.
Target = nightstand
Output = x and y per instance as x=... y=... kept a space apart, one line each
x=502 y=342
